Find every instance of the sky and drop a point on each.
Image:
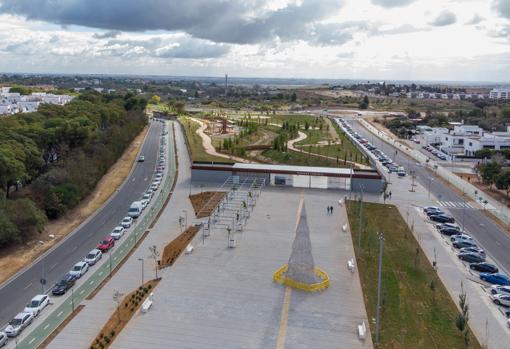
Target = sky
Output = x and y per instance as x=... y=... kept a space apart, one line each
x=443 y=40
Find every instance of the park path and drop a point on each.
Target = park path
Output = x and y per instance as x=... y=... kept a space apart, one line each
x=302 y=136
x=207 y=143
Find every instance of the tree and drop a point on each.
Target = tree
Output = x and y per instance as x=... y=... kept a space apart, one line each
x=364 y=103
x=489 y=171
x=27 y=217
x=8 y=230
x=155 y=99
x=502 y=181
x=461 y=321
x=293 y=98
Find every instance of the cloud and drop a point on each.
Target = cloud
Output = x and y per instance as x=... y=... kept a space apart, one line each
x=445 y=18
x=107 y=35
x=475 y=20
x=240 y=22
x=502 y=7
x=392 y=3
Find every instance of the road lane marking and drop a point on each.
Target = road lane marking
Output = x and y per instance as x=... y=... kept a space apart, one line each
x=100 y=273
x=53 y=266
x=284 y=318
x=32 y=341
x=81 y=292
x=59 y=314
x=74 y=248
x=27 y=286
x=46 y=326
x=92 y=282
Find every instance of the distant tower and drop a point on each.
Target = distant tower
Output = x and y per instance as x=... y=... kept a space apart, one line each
x=226 y=85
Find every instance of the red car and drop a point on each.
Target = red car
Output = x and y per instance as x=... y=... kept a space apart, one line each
x=106 y=244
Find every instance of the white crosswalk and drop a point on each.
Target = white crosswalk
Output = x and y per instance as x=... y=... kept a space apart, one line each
x=454 y=204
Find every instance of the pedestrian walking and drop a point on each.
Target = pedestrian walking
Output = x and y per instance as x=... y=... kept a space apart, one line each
x=331 y=209
x=390 y=194
x=327 y=211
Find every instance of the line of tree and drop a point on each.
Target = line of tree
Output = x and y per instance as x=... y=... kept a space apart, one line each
x=53 y=158
x=493 y=173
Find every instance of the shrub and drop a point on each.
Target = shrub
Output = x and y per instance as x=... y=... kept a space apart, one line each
x=112 y=333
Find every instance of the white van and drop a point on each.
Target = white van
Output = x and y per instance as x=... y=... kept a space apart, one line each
x=135 y=210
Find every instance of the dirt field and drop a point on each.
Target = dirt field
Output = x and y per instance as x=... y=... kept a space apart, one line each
x=198 y=202
x=499 y=195
x=17 y=257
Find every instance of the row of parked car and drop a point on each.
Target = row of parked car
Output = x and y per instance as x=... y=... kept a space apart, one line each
x=439 y=154
x=41 y=301
x=378 y=154
x=471 y=253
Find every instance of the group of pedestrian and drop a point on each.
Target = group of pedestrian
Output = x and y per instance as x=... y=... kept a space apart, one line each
x=329 y=210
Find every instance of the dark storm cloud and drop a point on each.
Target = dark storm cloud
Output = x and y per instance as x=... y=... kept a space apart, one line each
x=445 y=18
x=239 y=22
x=392 y=3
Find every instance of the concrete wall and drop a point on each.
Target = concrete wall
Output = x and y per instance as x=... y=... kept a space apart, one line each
x=206 y=176
x=369 y=185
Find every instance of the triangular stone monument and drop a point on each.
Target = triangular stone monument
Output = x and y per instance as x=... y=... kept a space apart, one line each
x=301 y=266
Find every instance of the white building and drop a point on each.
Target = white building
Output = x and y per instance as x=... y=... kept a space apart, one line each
x=431 y=135
x=500 y=93
x=13 y=102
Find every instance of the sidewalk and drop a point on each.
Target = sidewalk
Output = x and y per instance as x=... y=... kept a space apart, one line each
x=452 y=272
x=81 y=331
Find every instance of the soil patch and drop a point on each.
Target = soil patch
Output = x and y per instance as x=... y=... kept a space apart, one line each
x=205 y=203
x=17 y=257
x=124 y=312
x=174 y=249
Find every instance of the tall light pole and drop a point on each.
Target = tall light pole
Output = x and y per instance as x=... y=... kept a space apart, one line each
x=430 y=182
x=141 y=260
x=360 y=216
x=110 y=260
x=378 y=310
x=185 y=217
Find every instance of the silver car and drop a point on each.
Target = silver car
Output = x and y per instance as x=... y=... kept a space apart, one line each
x=17 y=324
x=3 y=339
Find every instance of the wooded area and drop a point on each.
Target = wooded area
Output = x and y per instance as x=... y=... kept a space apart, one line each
x=53 y=158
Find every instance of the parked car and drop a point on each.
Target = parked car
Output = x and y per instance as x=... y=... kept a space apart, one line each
x=500 y=289
x=496 y=279
x=442 y=218
x=117 y=232
x=448 y=231
x=463 y=243
x=473 y=249
x=135 y=210
x=63 y=285
x=17 y=324
x=484 y=267
x=501 y=299
x=106 y=244
x=79 y=269
x=3 y=339
x=154 y=187
x=126 y=222
x=461 y=237
x=471 y=257
x=428 y=209
x=147 y=197
x=144 y=203
x=141 y=158
x=37 y=304
x=93 y=257
x=448 y=225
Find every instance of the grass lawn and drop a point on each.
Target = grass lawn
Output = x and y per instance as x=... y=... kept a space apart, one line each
x=299 y=159
x=413 y=315
x=195 y=142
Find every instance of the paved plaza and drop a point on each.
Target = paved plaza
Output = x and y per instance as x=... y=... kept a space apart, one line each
x=221 y=297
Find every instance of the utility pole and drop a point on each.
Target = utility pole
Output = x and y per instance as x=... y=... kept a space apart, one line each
x=360 y=216
x=378 y=310
x=226 y=85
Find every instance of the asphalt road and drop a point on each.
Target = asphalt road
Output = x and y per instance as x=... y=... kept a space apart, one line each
x=492 y=238
x=16 y=293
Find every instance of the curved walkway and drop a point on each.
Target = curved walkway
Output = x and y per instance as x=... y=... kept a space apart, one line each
x=301 y=136
x=207 y=143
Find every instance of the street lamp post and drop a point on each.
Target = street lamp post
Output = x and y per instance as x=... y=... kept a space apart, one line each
x=430 y=182
x=379 y=277
x=110 y=260
x=141 y=260
x=360 y=217
x=72 y=298
x=185 y=217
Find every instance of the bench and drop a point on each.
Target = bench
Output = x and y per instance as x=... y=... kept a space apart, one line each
x=362 y=330
x=189 y=249
x=344 y=227
x=147 y=304
x=350 y=265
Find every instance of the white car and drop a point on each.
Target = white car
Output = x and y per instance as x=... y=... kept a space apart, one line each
x=149 y=191
x=154 y=187
x=3 y=339
x=93 y=256
x=147 y=197
x=157 y=182
x=501 y=299
x=79 y=269
x=37 y=304
x=498 y=289
x=117 y=232
x=461 y=237
x=158 y=176
x=127 y=222
x=17 y=324
x=144 y=203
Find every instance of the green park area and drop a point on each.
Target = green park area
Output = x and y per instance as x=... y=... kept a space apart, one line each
x=416 y=309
